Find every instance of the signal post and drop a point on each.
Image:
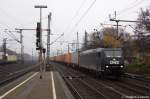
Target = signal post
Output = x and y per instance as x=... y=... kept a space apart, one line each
x=39 y=38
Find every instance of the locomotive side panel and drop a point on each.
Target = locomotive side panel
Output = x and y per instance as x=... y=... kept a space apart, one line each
x=88 y=61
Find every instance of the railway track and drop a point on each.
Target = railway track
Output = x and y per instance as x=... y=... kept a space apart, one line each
x=137 y=77
x=14 y=75
x=82 y=89
x=106 y=88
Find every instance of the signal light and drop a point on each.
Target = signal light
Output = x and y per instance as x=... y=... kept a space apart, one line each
x=37 y=48
x=38 y=30
x=37 y=44
x=38 y=35
x=44 y=50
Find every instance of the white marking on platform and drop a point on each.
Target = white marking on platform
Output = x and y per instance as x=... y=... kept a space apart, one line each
x=5 y=94
x=53 y=86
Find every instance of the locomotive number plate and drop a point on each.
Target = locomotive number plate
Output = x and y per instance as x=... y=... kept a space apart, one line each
x=114 y=62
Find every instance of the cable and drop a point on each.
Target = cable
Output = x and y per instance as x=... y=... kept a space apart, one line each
x=129 y=8
x=45 y=17
x=12 y=36
x=136 y=3
x=77 y=12
x=9 y=16
x=84 y=14
x=138 y=30
x=75 y=15
x=4 y=25
x=57 y=39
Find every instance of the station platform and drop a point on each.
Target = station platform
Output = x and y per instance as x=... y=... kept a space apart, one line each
x=51 y=86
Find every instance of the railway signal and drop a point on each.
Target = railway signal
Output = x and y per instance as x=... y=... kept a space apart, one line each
x=44 y=59
x=48 y=37
x=38 y=36
x=40 y=43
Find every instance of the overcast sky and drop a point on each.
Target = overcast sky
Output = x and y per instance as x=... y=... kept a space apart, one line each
x=66 y=15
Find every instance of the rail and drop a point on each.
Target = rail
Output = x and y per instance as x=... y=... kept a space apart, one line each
x=17 y=74
x=137 y=77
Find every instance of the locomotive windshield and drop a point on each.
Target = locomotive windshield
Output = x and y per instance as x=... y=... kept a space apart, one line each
x=113 y=53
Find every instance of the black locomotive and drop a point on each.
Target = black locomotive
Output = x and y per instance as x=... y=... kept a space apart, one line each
x=105 y=61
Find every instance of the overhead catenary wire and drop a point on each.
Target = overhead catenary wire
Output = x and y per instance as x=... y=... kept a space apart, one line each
x=34 y=22
x=84 y=14
x=12 y=36
x=134 y=4
x=57 y=39
x=138 y=30
x=76 y=14
x=3 y=25
x=9 y=15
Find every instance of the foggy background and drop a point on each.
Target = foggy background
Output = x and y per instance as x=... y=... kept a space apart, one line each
x=68 y=17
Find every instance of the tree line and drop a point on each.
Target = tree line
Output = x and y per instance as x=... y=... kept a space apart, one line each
x=134 y=46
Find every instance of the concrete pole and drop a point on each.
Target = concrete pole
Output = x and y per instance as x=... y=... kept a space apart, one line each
x=48 y=37
x=40 y=53
x=78 y=48
x=22 y=47
x=21 y=44
x=32 y=55
x=117 y=28
x=4 y=49
x=68 y=48
x=44 y=62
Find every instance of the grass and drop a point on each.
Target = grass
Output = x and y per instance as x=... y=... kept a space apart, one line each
x=139 y=67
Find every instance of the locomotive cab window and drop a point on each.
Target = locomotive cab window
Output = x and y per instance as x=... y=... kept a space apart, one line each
x=113 y=53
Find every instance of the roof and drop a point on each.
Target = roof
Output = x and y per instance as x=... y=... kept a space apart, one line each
x=92 y=51
x=98 y=50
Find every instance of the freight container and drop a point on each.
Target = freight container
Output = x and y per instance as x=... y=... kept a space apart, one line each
x=68 y=58
x=11 y=58
x=60 y=58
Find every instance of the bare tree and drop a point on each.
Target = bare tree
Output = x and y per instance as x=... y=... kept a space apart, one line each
x=143 y=32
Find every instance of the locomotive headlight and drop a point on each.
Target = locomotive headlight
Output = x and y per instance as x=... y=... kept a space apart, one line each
x=107 y=66
x=121 y=66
